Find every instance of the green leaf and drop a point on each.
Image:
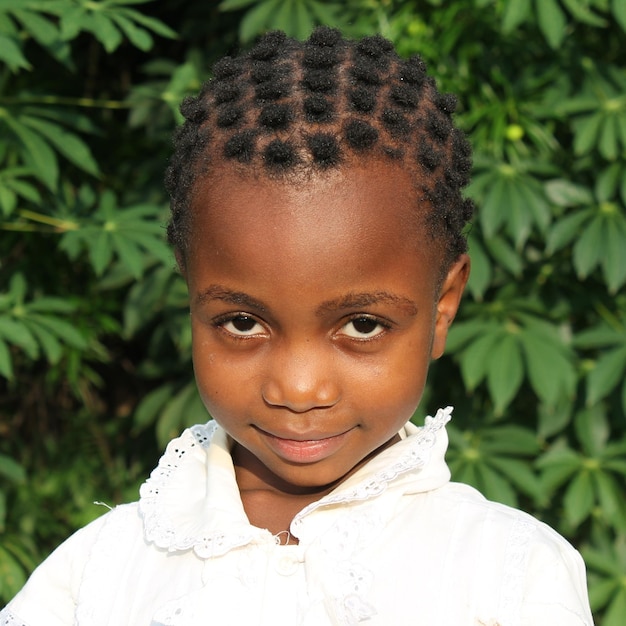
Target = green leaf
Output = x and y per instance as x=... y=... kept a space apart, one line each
x=610 y=499
x=62 y=329
x=303 y=21
x=8 y=200
x=589 y=248
x=184 y=406
x=580 y=11
x=553 y=419
x=494 y=486
x=601 y=592
x=283 y=17
x=510 y=440
x=519 y=474
x=599 y=337
x=11 y=469
x=26 y=190
x=565 y=230
x=592 y=430
x=614 y=259
x=41 y=29
x=615 y=612
x=518 y=214
x=326 y=14
x=257 y=19
x=129 y=253
x=609 y=370
x=73 y=20
x=618 y=8
x=152 y=403
x=586 y=131
x=68 y=144
x=155 y=25
x=38 y=153
x=505 y=371
x=495 y=207
x=607 y=182
x=515 y=12
x=17 y=333
x=6 y=363
x=475 y=358
x=535 y=203
x=100 y=251
x=461 y=333
x=609 y=133
x=579 y=499
x=139 y=37
x=12 y=574
x=49 y=343
x=45 y=304
x=552 y=21
x=565 y=193
x=11 y=54
x=505 y=255
x=551 y=373
x=104 y=30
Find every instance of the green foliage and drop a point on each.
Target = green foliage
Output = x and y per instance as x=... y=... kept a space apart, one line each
x=94 y=334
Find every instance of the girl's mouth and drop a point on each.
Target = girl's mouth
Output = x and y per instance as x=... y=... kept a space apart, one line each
x=304 y=450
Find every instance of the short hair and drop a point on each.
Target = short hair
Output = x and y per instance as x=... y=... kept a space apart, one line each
x=288 y=106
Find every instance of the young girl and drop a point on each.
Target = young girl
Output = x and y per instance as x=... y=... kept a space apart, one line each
x=317 y=218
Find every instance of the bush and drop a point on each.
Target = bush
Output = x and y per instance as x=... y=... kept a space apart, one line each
x=95 y=371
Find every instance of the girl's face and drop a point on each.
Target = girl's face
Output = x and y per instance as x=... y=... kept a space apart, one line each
x=315 y=309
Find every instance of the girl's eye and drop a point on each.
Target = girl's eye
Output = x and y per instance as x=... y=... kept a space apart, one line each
x=241 y=325
x=364 y=327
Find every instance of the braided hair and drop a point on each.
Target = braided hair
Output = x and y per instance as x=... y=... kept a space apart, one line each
x=287 y=107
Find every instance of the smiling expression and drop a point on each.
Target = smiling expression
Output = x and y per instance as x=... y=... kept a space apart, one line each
x=316 y=309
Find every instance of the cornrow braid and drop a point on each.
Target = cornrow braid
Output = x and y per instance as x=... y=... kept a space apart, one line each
x=288 y=106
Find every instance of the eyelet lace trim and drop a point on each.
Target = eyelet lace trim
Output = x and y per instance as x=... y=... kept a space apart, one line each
x=159 y=527
x=414 y=456
x=516 y=558
x=7 y=618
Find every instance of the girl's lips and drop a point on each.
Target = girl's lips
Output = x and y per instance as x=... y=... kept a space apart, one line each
x=304 y=451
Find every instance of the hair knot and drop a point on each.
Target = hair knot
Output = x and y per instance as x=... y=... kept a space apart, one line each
x=275 y=116
x=360 y=135
x=227 y=67
x=362 y=98
x=325 y=37
x=269 y=46
x=241 y=146
x=324 y=149
x=279 y=154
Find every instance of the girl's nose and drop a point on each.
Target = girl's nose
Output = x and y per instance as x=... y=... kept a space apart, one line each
x=301 y=380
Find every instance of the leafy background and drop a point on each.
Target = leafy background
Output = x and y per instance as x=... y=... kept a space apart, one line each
x=95 y=371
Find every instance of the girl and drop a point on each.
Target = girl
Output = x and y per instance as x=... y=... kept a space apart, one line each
x=317 y=218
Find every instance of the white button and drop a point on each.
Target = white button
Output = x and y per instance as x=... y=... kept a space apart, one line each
x=287 y=565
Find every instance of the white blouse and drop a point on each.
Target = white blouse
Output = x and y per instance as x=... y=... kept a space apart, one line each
x=395 y=544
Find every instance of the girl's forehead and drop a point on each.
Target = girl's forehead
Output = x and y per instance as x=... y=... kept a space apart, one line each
x=373 y=195
x=357 y=217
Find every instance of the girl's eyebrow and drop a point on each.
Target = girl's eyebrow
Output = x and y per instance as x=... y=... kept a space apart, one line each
x=239 y=298
x=361 y=300
x=349 y=301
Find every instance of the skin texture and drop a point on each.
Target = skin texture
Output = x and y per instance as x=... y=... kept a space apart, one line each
x=316 y=308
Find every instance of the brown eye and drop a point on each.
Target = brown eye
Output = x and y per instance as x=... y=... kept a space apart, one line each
x=364 y=327
x=242 y=326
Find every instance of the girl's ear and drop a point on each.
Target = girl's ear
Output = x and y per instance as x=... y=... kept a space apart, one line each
x=448 y=303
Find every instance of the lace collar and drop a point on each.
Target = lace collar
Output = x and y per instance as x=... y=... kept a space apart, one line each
x=191 y=500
